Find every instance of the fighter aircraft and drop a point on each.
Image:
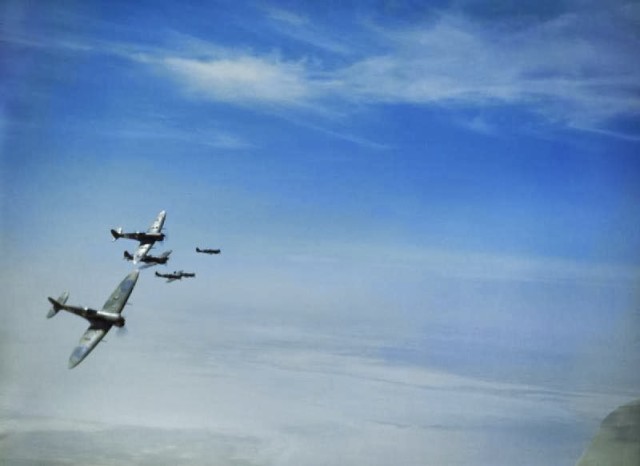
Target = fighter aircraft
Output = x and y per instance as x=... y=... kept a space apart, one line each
x=176 y=275
x=208 y=251
x=147 y=240
x=100 y=321
x=150 y=260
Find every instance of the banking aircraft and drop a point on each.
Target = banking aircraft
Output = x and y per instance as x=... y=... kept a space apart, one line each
x=147 y=239
x=100 y=322
x=178 y=275
x=149 y=259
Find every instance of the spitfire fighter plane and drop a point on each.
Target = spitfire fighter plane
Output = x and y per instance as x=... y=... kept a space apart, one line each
x=100 y=322
x=177 y=275
x=208 y=251
x=147 y=239
x=150 y=260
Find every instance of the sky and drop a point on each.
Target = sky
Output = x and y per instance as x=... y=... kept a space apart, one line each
x=429 y=216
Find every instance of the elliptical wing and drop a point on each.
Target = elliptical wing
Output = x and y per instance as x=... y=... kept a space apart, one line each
x=120 y=295
x=90 y=339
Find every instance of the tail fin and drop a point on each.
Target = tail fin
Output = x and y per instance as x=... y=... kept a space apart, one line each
x=198 y=249
x=57 y=305
x=128 y=256
x=116 y=233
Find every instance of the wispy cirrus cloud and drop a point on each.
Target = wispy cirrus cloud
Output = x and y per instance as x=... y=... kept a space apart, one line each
x=287 y=17
x=575 y=69
x=243 y=79
x=211 y=137
x=300 y=28
x=562 y=68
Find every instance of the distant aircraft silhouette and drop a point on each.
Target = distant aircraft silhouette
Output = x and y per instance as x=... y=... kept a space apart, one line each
x=208 y=251
x=176 y=275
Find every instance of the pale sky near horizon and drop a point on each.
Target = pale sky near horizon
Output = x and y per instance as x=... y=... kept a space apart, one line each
x=429 y=216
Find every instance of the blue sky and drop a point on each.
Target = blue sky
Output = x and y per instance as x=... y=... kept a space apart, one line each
x=418 y=203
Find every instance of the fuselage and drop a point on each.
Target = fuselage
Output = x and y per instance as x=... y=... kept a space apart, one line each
x=148 y=259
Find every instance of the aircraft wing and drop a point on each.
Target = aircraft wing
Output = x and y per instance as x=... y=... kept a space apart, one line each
x=90 y=339
x=157 y=224
x=120 y=295
x=142 y=251
x=172 y=279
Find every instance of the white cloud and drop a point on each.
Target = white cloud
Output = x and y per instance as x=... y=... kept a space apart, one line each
x=479 y=125
x=227 y=141
x=158 y=129
x=567 y=69
x=574 y=70
x=195 y=358
x=300 y=28
x=243 y=79
x=577 y=69
x=286 y=16
x=300 y=406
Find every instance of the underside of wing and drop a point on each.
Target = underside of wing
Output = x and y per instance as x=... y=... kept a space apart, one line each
x=96 y=332
x=116 y=302
x=157 y=224
x=142 y=251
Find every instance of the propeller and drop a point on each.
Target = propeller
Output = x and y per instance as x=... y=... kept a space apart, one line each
x=122 y=331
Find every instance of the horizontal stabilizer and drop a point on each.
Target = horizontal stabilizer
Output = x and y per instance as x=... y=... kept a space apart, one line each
x=116 y=233
x=57 y=305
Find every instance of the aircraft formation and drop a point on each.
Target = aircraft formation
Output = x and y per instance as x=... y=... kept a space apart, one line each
x=101 y=321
